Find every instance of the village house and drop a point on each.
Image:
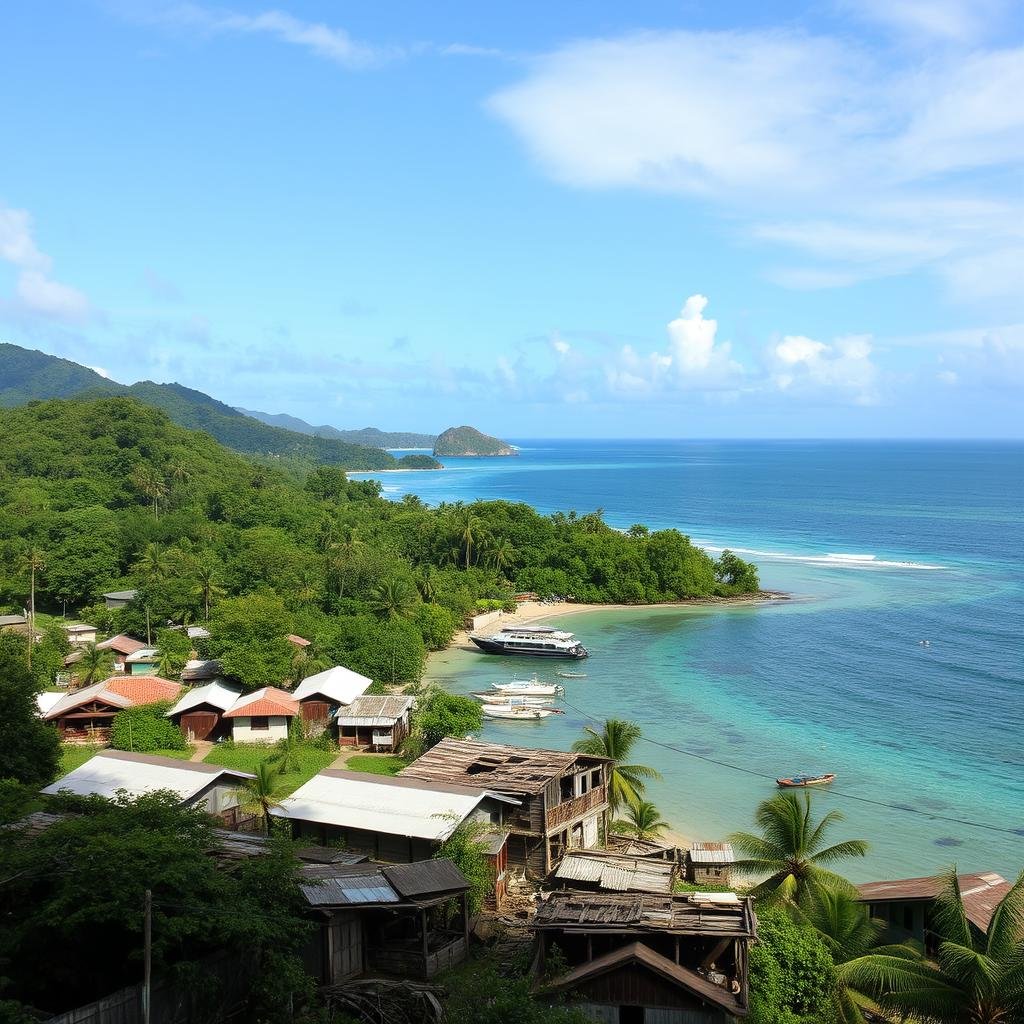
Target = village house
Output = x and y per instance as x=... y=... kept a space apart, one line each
x=119 y=598
x=385 y=919
x=321 y=695
x=378 y=723
x=199 y=714
x=262 y=716
x=208 y=786
x=81 y=633
x=709 y=863
x=121 y=646
x=563 y=798
x=87 y=714
x=388 y=818
x=637 y=958
x=905 y=905
x=142 y=662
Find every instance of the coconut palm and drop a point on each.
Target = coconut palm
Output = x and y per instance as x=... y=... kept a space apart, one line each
x=791 y=848
x=207 y=586
x=154 y=562
x=394 y=598
x=95 y=663
x=257 y=795
x=468 y=534
x=850 y=934
x=616 y=741
x=642 y=821
x=150 y=484
x=975 y=978
x=502 y=554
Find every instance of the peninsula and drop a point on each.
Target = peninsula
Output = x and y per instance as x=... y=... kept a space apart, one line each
x=456 y=441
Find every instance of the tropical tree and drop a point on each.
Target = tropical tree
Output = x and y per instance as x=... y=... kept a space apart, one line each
x=791 y=848
x=150 y=483
x=616 y=740
x=975 y=978
x=642 y=821
x=394 y=598
x=502 y=554
x=207 y=586
x=154 y=562
x=94 y=664
x=468 y=533
x=850 y=934
x=257 y=795
x=287 y=751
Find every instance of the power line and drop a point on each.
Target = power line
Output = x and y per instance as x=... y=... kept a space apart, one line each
x=902 y=808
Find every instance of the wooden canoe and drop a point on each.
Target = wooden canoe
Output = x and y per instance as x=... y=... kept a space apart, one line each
x=802 y=781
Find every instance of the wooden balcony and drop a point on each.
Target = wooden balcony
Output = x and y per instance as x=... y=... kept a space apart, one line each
x=567 y=811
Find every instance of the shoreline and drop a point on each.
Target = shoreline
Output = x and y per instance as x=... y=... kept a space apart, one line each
x=677 y=834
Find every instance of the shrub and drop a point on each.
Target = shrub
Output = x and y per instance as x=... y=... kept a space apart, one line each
x=437 y=625
x=146 y=728
x=447 y=714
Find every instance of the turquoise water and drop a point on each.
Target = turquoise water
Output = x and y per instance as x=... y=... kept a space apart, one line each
x=882 y=545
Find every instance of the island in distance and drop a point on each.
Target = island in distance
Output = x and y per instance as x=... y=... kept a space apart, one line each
x=456 y=441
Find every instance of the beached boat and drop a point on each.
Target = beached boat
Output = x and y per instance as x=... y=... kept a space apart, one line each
x=535 y=641
x=518 y=712
x=801 y=781
x=528 y=688
x=510 y=698
x=572 y=675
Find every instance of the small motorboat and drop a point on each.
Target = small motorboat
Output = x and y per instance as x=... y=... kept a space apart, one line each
x=528 y=688
x=572 y=675
x=802 y=781
x=511 y=698
x=518 y=712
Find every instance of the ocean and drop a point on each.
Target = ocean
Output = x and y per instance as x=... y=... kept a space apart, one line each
x=882 y=545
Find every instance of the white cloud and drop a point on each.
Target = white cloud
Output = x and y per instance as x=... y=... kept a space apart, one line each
x=803 y=364
x=956 y=20
x=325 y=41
x=560 y=345
x=36 y=289
x=872 y=167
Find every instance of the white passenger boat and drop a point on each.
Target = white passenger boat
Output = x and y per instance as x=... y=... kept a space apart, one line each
x=528 y=688
x=511 y=698
x=536 y=641
x=518 y=712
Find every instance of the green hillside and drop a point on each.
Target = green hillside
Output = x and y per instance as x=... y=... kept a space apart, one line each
x=469 y=441
x=27 y=376
x=370 y=436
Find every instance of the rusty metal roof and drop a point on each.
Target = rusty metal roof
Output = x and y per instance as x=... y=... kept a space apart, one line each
x=374 y=709
x=981 y=893
x=616 y=873
x=712 y=853
x=363 y=884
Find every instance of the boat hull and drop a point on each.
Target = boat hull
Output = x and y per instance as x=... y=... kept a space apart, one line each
x=489 y=646
x=819 y=780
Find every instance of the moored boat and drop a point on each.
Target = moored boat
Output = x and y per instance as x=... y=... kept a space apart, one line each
x=528 y=688
x=533 y=641
x=801 y=781
x=518 y=712
x=510 y=698
x=572 y=675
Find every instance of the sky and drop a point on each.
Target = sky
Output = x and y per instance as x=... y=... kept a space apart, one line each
x=547 y=220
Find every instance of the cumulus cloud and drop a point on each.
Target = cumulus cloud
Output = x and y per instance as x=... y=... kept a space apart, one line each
x=872 y=166
x=36 y=289
x=802 y=364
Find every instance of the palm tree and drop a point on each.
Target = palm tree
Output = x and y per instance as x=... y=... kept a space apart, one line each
x=154 y=562
x=426 y=583
x=850 y=934
x=978 y=979
x=642 y=821
x=468 y=529
x=33 y=563
x=95 y=662
x=207 y=586
x=790 y=848
x=394 y=598
x=616 y=740
x=502 y=554
x=151 y=484
x=256 y=796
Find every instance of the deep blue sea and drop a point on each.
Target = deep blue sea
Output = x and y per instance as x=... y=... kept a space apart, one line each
x=883 y=545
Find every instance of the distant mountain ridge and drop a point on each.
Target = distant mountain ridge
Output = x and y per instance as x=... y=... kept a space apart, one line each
x=369 y=436
x=27 y=375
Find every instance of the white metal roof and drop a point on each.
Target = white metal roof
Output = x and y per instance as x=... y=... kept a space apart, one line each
x=377 y=803
x=215 y=693
x=69 y=701
x=46 y=700
x=113 y=770
x=339 y=684
x=712 y=853
x=146 y=654
x=80 y=627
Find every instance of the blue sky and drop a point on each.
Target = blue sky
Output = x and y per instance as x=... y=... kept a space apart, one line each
x=655 y=219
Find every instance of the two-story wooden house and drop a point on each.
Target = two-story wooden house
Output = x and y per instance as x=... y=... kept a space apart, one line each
x=563 y=796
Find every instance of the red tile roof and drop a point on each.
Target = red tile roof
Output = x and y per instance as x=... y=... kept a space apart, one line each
x=981 y=893
x=143 y=689
x=269 y=701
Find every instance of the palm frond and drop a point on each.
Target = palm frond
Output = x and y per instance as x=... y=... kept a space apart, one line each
x=949 y=919
x=840 y=851
x=1006 y=929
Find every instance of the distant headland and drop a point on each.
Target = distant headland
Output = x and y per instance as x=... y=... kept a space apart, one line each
x=456 y=441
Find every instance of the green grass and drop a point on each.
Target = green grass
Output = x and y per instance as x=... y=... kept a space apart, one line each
x=74 y=754
x=246 y=756
x=181 y=755
x=378 y=764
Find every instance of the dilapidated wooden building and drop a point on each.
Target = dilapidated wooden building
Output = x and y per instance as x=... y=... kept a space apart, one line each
x=563 y=796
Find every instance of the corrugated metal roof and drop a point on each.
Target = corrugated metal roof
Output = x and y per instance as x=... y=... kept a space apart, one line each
x=338 y=684
x=712 y=853
x=215 y=694
x=121 y=643
x=616 y=873
x=346 y=890
x=981 y=893
x=371 y=710
x=122 y=595
x=425 y=877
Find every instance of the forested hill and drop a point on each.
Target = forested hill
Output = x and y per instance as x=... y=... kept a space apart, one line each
x=371 y=436
x=26 y=375
x=469 y=441
x=110 y=494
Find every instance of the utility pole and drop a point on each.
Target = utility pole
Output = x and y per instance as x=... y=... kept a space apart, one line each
x=149 y=635
x=147 y=955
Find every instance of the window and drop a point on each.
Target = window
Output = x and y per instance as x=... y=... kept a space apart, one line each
x=908 y=918
x=259 y=723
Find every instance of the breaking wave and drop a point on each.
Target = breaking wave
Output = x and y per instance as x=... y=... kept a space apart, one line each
x=837 y=560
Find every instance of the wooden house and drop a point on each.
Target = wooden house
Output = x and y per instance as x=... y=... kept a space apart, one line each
x=80 y=633
x=709 y=863
x=119 y=598
x=600 y=871
x=322 y=695
x=121 y=646
x=199 y=714
x=86 y=714
x=211 y=787
x=377 y=722
x=385 y=919
x=905 y=905
x=562 y=796
x=262 y=716
x=388 y=818
x=637 y=958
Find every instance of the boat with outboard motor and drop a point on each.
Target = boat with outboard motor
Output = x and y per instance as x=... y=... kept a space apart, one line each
x=510 y=698
x=528 y=688
x=532 y=641
x=518 y=712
